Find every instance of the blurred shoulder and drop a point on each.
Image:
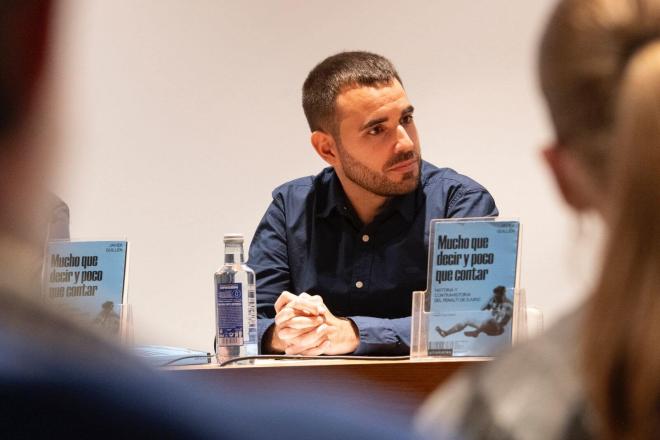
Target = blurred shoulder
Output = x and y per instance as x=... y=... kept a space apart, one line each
x=530 y=391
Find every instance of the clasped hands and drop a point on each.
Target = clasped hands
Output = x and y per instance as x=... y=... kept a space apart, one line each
x=305 y=326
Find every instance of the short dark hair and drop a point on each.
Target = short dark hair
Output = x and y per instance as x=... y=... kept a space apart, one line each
x=332 y=75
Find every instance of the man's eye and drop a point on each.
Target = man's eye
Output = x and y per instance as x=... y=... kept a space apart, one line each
x=376 y=130
x=407 y=119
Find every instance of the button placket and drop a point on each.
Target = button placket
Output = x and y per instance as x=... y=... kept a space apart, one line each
x=362 y=267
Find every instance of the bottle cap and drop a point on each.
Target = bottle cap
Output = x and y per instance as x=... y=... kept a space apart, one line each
x=233 y=238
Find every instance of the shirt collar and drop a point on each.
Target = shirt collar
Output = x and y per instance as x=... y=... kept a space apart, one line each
x=406 y=205
x=335 y=198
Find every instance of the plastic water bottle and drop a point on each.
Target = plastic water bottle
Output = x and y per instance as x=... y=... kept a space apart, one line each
x=235 y=304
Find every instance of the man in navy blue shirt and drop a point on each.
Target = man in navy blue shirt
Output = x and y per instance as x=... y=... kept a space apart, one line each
x=338 y=255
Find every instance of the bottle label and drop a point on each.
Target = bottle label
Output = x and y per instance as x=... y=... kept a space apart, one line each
x=229 y=304
x=251 y=317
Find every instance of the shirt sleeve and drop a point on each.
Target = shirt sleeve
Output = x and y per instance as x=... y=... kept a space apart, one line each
x=381 y=336
x=471 y=203
x=268 y=258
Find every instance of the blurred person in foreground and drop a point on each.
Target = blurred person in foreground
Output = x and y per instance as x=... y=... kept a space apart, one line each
x=596 y=373
x=58 y=380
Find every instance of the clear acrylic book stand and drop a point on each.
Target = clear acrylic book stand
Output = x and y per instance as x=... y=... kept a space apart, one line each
x=421 y=314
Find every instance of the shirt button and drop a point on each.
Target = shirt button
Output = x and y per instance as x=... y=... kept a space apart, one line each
x=359 y=284
x=365 y=238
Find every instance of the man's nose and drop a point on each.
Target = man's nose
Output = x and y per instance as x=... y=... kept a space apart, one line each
x=403 y=140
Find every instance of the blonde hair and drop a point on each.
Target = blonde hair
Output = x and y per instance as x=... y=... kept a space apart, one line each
x=600 y=72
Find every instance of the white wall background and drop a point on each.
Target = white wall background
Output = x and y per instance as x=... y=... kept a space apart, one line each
x=180 y=117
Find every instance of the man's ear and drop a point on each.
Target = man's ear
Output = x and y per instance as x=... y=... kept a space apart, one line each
x=325 y=147
x=575 y=183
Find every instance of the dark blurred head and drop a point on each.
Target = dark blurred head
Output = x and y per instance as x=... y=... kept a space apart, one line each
x=23 y=30
x=23 y=37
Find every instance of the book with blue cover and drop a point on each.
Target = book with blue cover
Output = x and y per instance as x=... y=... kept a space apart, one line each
x=87 y=281
x=473 y=273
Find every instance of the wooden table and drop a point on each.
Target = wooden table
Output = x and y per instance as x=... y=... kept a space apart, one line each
x=399 y=386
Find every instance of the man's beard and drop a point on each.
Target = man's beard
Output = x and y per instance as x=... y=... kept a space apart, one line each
x=378 y=183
